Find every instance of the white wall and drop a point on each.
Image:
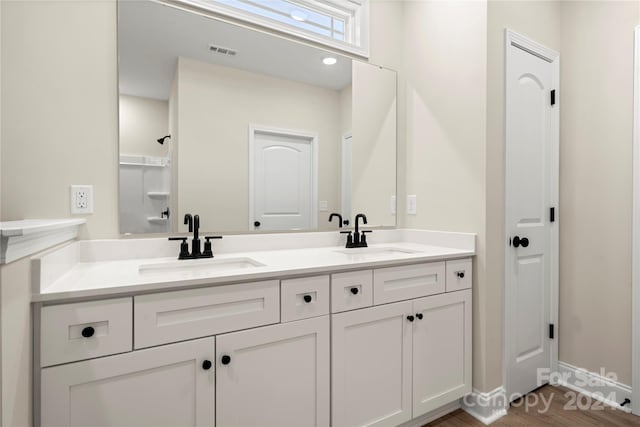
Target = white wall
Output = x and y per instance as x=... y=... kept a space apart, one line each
x=596 y=97
x=216 y=106
x=142 y=122
x=59 y=110
x=443 y=112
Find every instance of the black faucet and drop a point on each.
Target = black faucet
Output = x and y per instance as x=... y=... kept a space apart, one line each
x=194 y=226
x=339 y=218
x=359 y=239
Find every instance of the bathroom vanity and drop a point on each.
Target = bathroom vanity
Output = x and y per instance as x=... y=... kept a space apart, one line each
x=262 y=334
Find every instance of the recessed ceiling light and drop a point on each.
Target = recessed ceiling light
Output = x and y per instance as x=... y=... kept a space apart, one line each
x=329 y=60
x=298 y=15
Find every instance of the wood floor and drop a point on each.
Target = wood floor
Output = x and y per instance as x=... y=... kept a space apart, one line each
x=561 y=411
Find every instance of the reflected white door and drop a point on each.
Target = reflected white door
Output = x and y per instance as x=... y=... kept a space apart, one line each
x=531 y=192
x=282 y=180
x=346 y=175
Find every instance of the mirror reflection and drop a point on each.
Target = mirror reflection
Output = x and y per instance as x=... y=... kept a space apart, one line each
x=248 y=130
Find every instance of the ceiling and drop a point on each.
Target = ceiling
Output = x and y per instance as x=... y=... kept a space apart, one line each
x=151 y=36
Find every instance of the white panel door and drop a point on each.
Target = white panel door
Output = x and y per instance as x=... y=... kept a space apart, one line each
x=441 y=350
x=531 y=190
x=274 y=376
x=371 y=366
x=282 y=181
x=163 y=386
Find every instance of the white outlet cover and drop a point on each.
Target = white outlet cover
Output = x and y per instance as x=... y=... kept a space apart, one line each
x=323 y=205
x=393 y=205
x=81 y=199
x=412 y=204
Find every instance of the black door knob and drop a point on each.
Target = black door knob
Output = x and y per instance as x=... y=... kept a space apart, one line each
x=354 y=291
x=517 y=241
x=206 y=365
x=419 y=316
x=225 y=359
x=88 y=332
x=256 y=223
x=460 y=274
x=410 y=318
x=307 y=298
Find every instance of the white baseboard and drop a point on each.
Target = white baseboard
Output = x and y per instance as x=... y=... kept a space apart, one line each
x=594 y=385
x=433 y=415
x=486 y=407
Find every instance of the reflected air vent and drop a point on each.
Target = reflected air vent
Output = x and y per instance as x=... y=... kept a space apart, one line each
x=222 y=50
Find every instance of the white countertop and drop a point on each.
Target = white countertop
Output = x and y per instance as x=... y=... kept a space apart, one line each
x=59 y=278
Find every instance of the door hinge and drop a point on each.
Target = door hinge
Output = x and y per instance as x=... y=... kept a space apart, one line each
x=552 y=214
x=553 y=97
x=551 y=331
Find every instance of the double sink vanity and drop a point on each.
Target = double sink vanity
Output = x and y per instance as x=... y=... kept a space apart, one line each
x=275 y=330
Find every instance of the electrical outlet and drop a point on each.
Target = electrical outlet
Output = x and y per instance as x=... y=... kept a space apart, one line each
x=412 y=204
x=81 y=199
x=323 y=206
x=393 y=205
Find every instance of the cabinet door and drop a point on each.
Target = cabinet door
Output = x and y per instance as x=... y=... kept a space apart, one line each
x=371 y=366
x=162 y=386
x=441 y=350
x=274 y=376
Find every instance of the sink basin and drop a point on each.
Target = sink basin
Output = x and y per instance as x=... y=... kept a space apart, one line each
x=376 y=252
x=208 y=265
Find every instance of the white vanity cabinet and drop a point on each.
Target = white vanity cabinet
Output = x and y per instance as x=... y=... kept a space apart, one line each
x=395 y=362
x=162 y=386
x=274 y=376
x=368 y=347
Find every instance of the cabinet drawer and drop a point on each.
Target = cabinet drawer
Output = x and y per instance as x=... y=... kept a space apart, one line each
x=305 y=297
x=406 y=282
x=352 y=290
x=181 y=315
x=84 y=330
x=459 y=274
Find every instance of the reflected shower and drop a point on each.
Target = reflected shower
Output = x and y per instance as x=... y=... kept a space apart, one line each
x=161 y=140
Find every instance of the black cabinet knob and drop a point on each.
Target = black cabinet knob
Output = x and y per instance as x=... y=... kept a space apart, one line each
x=307 y=298
x=225 y=359
x=410 y=318
x=206 y=365
x=419 y=316
x=354 y=291
x=256 y=223
x=88 y=332
x=460 y=274
x=517 y=241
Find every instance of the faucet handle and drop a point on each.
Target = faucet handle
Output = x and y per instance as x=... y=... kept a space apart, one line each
x=184 y=247
x=349 y=238
x=208 y=253
x=363 y=239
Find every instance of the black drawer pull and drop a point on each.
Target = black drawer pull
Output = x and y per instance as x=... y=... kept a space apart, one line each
x=206 y=365
x=419 y=316
x=410 y=318
x=354 y=291
x=225 y=359
x=88 y=331
x=460 y=274
x=307 y=298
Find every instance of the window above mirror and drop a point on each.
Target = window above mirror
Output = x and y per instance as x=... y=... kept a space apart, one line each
x=340 y=24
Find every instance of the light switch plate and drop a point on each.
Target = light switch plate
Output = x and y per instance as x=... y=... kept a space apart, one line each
x=412 y=202
x=81 y=199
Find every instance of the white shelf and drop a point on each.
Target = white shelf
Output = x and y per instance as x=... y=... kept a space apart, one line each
x=157 y=219
x=158 y=194
x=22 y=238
